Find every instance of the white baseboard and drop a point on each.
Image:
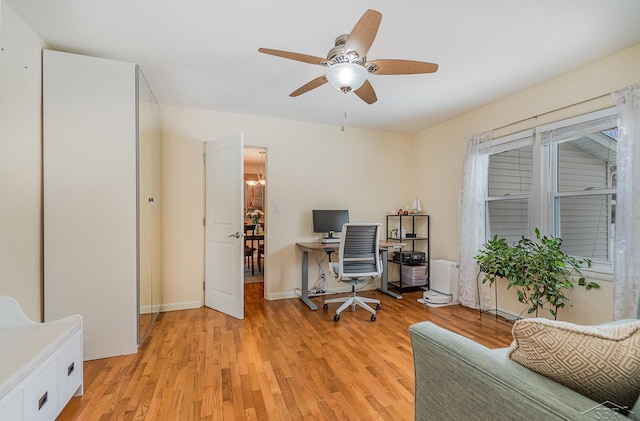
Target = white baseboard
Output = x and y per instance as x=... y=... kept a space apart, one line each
x=155 y=308
x=187 y=305
x=332 y=290
x=281 y=295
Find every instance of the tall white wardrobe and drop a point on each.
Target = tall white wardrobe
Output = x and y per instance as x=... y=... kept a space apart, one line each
x=102 y=207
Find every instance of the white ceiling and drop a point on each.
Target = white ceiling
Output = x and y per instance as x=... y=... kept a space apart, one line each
x=204 y=53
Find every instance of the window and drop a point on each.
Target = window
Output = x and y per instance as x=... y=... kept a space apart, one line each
x=559 y=178
x=510 y=187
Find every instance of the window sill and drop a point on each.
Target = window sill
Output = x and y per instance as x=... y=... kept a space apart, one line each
x=599 y=272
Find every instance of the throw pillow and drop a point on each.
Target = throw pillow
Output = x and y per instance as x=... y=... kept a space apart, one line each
x=599 y=362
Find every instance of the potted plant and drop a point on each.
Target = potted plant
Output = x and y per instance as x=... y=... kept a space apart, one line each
x=495 y=259
x=539 y=270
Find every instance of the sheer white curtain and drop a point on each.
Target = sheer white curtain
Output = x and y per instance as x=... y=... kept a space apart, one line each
x=626 y=258
x=471 y=210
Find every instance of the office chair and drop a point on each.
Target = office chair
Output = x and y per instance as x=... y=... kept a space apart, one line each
x=359 y=263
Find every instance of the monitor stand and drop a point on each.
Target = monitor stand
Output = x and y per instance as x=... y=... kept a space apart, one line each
x=330 y=239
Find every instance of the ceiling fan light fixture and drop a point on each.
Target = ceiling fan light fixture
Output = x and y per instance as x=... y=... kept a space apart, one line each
x=346 y=77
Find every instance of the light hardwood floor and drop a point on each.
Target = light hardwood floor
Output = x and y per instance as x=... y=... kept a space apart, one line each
x=282 y=362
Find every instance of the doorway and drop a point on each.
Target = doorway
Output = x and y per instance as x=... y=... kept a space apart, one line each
x=254 y=211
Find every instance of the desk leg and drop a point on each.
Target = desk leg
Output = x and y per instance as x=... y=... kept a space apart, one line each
x=384 y=279
x=304 y=295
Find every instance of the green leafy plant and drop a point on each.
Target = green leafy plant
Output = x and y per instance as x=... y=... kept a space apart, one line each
x=539 y=270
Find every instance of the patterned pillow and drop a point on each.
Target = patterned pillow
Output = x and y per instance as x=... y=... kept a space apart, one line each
x=600 y=362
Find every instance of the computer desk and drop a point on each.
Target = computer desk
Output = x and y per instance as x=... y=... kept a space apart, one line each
x=328 y=248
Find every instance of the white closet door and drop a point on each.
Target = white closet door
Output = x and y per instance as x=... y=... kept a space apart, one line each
x=90 y=204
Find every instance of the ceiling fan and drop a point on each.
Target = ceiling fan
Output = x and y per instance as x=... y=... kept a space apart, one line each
x=347 y=65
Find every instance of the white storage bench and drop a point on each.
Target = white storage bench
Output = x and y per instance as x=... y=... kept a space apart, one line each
x=40 y=364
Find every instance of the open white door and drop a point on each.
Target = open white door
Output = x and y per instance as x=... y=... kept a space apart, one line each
x=224 y=226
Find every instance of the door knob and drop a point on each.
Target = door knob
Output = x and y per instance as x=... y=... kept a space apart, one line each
x=236 y=235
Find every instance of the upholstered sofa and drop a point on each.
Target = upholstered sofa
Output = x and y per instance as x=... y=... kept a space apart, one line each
x=459 y=379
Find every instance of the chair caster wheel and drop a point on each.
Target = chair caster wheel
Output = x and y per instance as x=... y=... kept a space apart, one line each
x=373 y=317
x=325 y=307
x=377 y=306
x=336 y=317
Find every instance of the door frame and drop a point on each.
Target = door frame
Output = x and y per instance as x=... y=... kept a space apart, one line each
x=264 y=209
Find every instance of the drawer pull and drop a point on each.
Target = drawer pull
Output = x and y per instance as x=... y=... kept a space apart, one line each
x=43 y=400
x=70 y=369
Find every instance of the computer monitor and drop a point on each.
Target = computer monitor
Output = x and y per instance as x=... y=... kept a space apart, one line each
x=329 y=221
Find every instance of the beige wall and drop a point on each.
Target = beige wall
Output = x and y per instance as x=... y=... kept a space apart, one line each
x=441 y=149
x=20 y=165
x=589 y=307
x=307 y=166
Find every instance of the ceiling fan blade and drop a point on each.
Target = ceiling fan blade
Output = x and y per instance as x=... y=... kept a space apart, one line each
x=366 y=93
x=319 y=81
x=363 y=34
x=401 y=67
x=293 y=56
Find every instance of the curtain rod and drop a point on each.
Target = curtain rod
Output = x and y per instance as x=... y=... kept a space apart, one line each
x=552 y=111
